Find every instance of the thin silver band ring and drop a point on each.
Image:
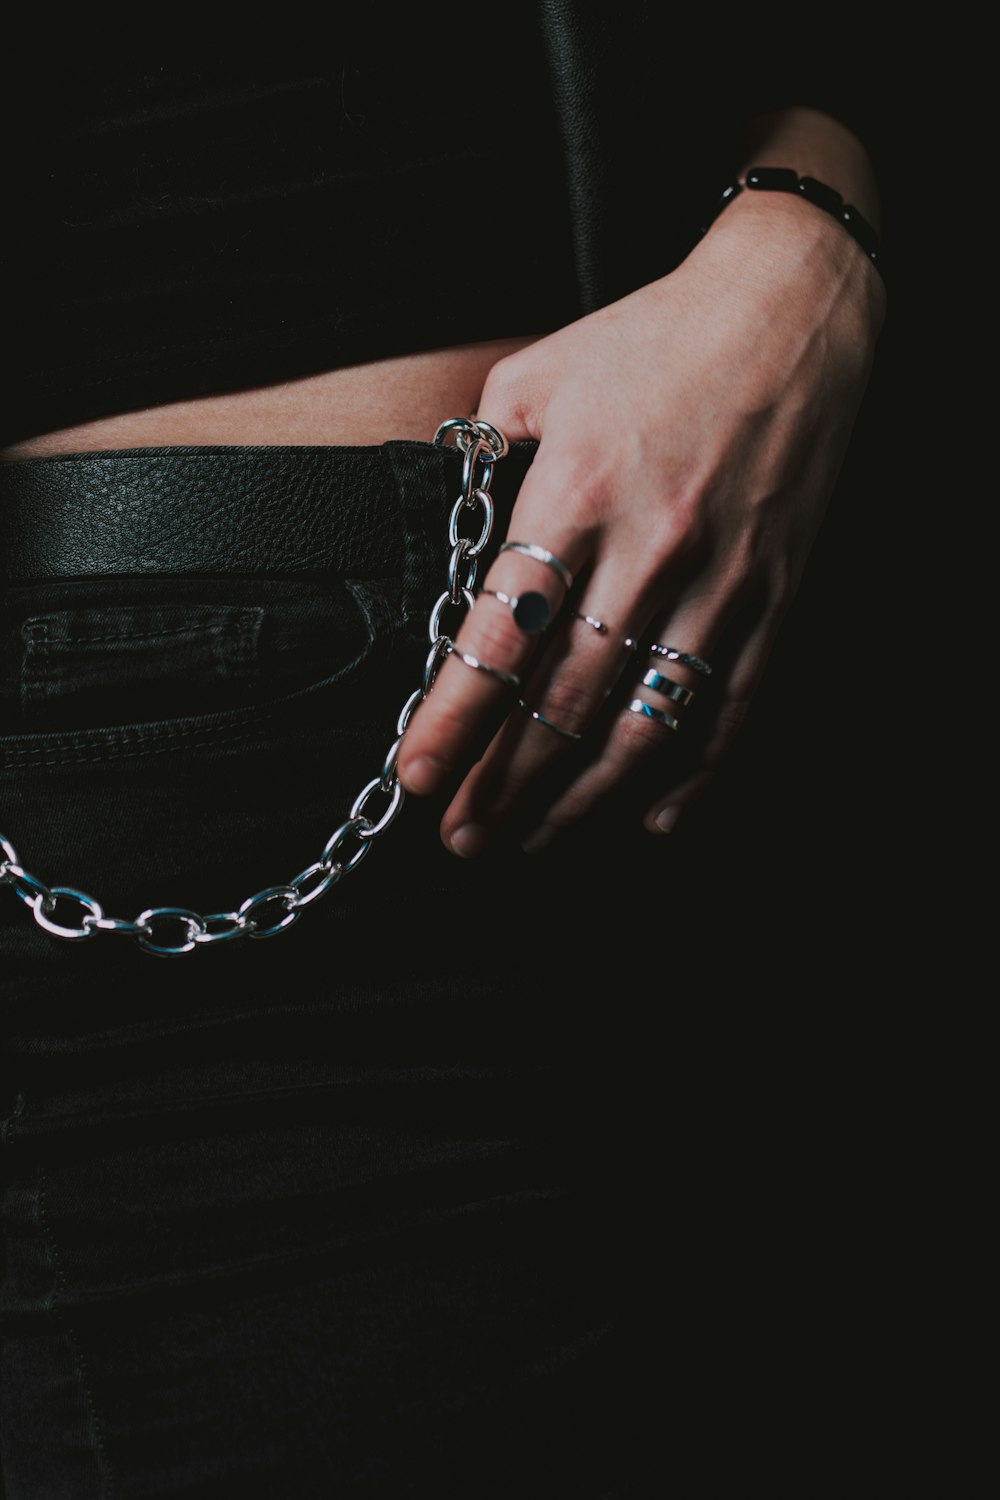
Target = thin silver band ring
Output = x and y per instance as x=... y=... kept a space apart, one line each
x=480 y=666
x=685 y=658
x=649 y=712
x=570 y=734
x=667 y=687
x=594 y=624
x=542 y=555
x=627 y=641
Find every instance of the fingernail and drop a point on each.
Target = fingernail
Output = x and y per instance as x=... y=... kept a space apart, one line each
x=539 y=838
x=424 y=775
x=666 y=819
x=469 y=840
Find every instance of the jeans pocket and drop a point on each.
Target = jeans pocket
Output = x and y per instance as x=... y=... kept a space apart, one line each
x=86 y=666
x=92 y=661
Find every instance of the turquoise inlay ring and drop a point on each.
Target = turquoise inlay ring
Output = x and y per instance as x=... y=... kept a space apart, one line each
x=667 y=687
x=649 y=712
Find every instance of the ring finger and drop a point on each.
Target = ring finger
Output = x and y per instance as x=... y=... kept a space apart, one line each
x=662 y=690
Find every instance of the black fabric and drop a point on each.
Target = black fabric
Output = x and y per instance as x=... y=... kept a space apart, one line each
x=365 y=1207
x=455 y=1186
x=336 y=1211
x=185 y=226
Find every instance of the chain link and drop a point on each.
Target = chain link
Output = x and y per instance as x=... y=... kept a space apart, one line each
x=168 y=931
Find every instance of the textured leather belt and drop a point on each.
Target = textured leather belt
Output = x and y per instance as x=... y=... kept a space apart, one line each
x=219 y=509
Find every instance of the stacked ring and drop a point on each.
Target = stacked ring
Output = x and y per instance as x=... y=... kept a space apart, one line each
x=684 y=657
x=637 y=706
x=667 y=687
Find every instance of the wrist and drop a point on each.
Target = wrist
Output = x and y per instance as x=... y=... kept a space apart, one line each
x=761 y=235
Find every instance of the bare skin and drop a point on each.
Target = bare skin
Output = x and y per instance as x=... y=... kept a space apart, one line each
x=689 y=438
x=360 y=404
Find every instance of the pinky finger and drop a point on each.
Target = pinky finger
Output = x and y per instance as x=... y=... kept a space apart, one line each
x=728 y=719
x=667 y=811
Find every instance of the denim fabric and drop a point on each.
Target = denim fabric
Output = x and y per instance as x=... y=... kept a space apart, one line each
x=338 y=1212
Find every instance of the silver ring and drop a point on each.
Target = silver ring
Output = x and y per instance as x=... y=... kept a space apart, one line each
x=649 y=712
x=686 y=660
x=667 y=687
x=594 y=624
x=570 y=734
x=480 y=666
x=531 y=611
x=542 y=555
x=602 y=629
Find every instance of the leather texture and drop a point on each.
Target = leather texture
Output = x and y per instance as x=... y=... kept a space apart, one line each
x=233 y=510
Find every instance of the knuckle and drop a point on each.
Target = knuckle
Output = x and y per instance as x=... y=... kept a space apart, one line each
x=681 y=518
x=508 y=391
x=490 y=632
x=584 y=481
x=569 y=700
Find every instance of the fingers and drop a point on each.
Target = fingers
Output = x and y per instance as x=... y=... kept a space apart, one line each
x=585 y=656
x=499 y=636
x=725 y=724
x=654 y=706
x=640 y=747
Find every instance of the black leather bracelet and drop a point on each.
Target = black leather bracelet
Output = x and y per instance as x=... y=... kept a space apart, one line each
x=785 y=180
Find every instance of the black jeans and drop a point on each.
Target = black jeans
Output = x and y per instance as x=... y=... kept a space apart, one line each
x=346 y=1211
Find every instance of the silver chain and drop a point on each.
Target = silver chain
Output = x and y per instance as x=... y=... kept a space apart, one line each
x=277 y=907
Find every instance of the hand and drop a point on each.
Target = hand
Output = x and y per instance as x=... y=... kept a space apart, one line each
x=689 y=438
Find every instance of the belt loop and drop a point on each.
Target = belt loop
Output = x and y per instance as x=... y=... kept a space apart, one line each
x=423 y=478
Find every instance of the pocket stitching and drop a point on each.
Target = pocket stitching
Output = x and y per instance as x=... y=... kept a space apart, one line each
x=67 y=748
x=239 y=625
x=242 y=616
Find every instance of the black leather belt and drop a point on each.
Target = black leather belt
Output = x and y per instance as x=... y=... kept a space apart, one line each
x=242 y=509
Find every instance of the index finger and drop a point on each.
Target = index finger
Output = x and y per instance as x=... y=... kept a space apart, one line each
x=532 y=576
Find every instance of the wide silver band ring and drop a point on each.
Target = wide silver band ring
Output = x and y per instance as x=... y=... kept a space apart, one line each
x=649 y=712
x=533 y=713
x=507 y=678
x=684 y=657
x=667 y=687
x=542 y=555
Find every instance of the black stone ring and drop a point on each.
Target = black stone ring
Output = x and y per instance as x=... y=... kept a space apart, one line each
x=531 y=611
